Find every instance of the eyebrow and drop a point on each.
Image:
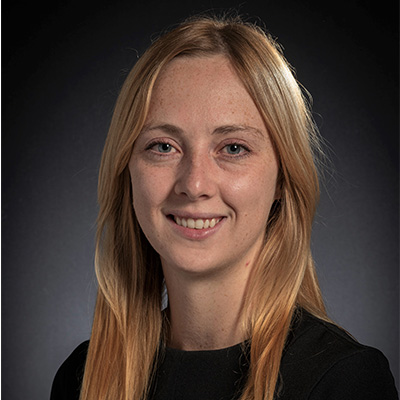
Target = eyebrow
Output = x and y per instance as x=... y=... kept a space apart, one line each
x=163 y=127
x=221 y=130
x=225 y=129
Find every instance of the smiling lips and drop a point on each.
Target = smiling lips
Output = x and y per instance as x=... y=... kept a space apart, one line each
x=196 y=223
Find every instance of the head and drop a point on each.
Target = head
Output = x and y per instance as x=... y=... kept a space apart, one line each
x=268 y=79
x=128 y=322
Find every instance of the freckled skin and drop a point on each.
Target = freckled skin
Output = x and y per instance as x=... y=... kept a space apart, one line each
x=199 y=95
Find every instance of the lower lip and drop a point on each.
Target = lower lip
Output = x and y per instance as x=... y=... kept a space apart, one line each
x=196 y=234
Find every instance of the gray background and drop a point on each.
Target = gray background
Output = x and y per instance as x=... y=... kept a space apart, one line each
x=63 y=65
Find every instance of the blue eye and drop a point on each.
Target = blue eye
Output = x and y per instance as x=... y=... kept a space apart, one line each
x=234 y=149
x=164 y=147
x=161 y=147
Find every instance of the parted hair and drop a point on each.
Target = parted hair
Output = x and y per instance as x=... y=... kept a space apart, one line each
x=129 y=326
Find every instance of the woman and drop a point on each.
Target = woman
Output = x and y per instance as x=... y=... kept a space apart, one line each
x=208 y=187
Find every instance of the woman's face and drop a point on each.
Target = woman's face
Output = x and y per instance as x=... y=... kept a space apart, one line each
x=203 y=169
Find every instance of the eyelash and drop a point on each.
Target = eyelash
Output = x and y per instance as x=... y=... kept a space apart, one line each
x=158 y=142
x=245 y=151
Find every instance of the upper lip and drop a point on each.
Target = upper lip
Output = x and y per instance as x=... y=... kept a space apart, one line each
x=194 y=215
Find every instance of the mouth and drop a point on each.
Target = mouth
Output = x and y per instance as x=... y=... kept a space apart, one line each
x=196 y=223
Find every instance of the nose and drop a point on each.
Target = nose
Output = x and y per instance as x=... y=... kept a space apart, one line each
x=196 y=178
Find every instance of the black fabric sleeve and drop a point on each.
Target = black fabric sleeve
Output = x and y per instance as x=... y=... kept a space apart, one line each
x=364 y=375
x=68 y=379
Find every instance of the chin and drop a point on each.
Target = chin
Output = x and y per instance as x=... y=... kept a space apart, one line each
x=195 y=266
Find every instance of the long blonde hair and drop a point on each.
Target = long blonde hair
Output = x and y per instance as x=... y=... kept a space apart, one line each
x=128 y=322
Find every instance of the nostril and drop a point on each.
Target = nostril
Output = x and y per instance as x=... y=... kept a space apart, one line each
x=195 y=182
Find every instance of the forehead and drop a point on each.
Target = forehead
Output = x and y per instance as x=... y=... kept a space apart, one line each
x=207 y=87
x=198 y=69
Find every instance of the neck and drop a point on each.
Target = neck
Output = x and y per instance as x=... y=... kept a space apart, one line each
x=205 y=314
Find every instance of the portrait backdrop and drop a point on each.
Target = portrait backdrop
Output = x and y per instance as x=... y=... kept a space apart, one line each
x=63 y=66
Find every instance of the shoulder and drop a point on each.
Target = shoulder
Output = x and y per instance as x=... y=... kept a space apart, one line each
x=68 y=379
x=321 y=361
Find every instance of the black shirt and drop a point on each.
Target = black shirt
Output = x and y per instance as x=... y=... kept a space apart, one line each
x=320 y=362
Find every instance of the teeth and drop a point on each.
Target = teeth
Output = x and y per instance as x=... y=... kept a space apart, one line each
x=197 y=223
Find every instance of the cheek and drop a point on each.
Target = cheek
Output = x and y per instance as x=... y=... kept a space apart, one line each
x=149 y=187
x=255 y=190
